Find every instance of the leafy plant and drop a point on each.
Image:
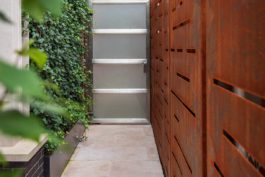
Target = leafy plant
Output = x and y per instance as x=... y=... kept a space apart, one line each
x=61 y=38
x=24 y=86
x=37 y=8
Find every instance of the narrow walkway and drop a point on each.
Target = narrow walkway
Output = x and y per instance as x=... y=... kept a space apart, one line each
x=116 y=151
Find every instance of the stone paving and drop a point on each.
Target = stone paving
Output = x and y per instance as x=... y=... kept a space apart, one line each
x=116 y=151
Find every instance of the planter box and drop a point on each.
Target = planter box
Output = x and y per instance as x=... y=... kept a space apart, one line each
x=24 y=155
x=32 y=168
x=56 y=163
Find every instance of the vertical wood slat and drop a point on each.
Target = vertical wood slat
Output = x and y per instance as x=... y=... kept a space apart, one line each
x=160 y=79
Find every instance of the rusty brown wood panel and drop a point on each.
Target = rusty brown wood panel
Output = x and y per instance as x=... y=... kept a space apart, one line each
x=176 y=64
x=175 y=167
x=239 y=32
x=186 y=86
x=179 y=157
x=160 y=79
x=235 y=88
x=187 y=134
x=166 y=88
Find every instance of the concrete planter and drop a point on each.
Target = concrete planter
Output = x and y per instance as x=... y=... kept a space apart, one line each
x=56 y=163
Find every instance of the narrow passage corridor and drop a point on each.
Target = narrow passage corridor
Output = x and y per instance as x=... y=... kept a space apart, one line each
x=116 y=151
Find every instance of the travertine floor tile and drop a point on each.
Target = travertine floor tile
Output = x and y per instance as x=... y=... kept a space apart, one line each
x=88 y=169
x=116 y=151
x=136 y=169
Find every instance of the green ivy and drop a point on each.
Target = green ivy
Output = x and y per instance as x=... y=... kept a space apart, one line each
x=61 y=38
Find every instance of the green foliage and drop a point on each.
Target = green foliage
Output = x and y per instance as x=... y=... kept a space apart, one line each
x=36 y=55
x=61 y=38
x=19 y=125
x=25 y=86
x=2 y=159
x=18 y=80
x=11 y=173
x=37 y=8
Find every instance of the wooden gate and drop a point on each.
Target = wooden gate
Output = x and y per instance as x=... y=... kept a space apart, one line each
x=208 y=86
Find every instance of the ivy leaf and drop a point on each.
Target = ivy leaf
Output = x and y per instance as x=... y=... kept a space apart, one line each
x=15 y=123
x=4 y=18
x=91 y=11
x=21 y=80
x=62 y=39
x=38 y=57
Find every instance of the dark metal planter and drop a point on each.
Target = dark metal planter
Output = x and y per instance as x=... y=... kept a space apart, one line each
x=56 y=163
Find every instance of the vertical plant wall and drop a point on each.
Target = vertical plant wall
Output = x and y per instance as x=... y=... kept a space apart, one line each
x=65 y=73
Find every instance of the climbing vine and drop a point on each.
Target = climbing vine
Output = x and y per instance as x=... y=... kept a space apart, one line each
x=65 y=72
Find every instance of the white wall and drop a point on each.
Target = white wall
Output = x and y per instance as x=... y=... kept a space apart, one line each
x=11 y=34
x=11 y=40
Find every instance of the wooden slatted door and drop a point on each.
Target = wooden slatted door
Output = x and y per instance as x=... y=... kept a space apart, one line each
x=236 y=88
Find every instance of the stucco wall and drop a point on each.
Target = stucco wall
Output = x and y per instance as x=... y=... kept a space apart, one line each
x=10 y=34
x=11 y=40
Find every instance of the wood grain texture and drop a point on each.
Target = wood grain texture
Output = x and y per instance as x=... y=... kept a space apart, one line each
x=208 y=89
x=235 y=87
x=160 y=79
x=176 y=63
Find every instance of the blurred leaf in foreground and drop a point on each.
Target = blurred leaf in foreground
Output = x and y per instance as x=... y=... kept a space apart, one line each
x=4 y=18
x=49 y=108
x=17 y=124
x=21 y=80
x=37 y=8
x=36 y=55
